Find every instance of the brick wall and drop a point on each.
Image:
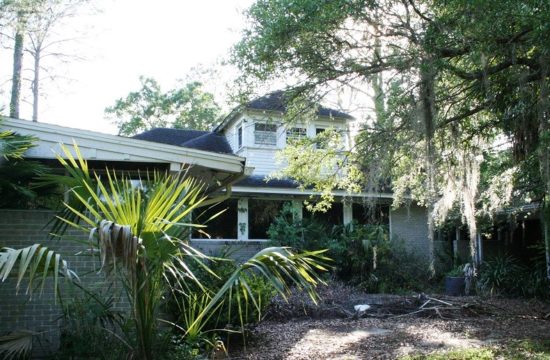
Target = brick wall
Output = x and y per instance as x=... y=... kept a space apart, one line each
x=41 y=313
x=410 y=225
x=21 y=228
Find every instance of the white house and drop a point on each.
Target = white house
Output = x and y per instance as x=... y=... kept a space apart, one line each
x=233 y=160
x=256 y=132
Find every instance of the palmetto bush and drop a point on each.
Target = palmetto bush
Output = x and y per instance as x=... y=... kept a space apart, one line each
x=140 y=229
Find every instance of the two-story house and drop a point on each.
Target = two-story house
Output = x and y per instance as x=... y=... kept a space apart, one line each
x=256 y=132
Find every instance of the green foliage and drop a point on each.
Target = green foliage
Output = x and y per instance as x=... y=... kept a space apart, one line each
x=445 y=92
x=16 y=173
x=515 y=350
x=187 y=107
x=149 y=255
x=507 y=276
x=466 y=354
x=361 y=254
x=456 y=271
x=228 y=315
x=36 y=263
x=89 y=324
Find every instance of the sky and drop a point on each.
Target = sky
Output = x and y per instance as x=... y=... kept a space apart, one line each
x=124 y=39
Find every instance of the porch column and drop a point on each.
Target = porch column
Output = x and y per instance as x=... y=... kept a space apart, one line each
x=242 y=219
x=455 y=244
x=348 y=212
x=297 y=206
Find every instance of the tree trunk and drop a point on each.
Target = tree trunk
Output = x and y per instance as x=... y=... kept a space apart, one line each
x=35 y=85
x=17 y=67
x=427 y=112
x=544 y=157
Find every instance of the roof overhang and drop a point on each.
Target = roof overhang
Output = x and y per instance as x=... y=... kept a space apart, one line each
x=96 y=146
x=274 y=113
x=297 y=192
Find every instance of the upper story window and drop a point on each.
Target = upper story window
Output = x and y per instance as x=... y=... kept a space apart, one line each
x=240 y=137
x=265 y=134
x=321 y=144
x=294 y=134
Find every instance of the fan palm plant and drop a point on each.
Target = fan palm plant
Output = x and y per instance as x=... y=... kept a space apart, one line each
x=141 y=230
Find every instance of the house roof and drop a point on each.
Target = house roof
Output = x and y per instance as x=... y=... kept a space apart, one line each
x=192 y=139
x=96 y=146
x=261 y=181
x=169 y=136
x=275 y=101
x=259 y=185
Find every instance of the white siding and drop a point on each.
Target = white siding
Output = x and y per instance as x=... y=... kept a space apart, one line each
x=262 y=157
x=262 y=160
x=230 y=133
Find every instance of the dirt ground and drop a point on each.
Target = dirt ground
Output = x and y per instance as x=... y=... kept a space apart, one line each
x=395 y=326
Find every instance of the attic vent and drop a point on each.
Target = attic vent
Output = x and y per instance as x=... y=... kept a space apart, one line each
x=265 y=134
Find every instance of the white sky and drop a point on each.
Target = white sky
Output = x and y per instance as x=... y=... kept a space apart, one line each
x=162 y=39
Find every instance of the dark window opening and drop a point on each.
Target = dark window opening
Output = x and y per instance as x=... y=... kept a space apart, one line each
x=320 y=143
x=261 y=214
x=371 y=214
x=222 y=226
x=240 y=136
x=333 y=216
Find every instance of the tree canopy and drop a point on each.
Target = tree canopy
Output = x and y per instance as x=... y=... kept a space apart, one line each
x=149 y=107
x=453 y=86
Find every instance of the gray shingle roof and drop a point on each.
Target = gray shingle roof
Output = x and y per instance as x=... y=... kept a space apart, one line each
x=261 y=181
x=275 y=101
x=193 y=139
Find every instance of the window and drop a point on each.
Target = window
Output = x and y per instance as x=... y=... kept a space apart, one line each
x=261 y=214
x=240 y=137
x=265 y=134
x=294 y=134
x=321 y=142
x=333 y=216
x=220 y=221
x=373 y=214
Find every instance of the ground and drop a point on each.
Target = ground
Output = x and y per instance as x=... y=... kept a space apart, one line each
x=399 y=327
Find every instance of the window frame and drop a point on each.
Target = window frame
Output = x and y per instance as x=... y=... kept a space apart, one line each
x=296 y=134
x=239 y=136
x=260 y=136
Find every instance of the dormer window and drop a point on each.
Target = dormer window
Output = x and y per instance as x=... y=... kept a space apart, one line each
x=321 y=143
x=240 y=136
x=294 y=134
x=265 y=134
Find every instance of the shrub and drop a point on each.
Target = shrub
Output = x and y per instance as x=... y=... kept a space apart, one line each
x=89 y=321
x=362 y=255
x=203 y=333
x=505 y=275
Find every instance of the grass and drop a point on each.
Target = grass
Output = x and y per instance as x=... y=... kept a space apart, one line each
x=516 y=350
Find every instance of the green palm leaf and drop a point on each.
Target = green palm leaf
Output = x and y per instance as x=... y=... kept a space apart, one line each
x=36 y=264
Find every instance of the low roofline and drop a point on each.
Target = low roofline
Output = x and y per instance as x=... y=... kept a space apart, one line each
x=123 y=147
x=299 y=192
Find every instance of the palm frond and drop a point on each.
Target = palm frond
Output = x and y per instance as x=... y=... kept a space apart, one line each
x=16 y=345
x=13 y=145
x=281 y=267
x=35 y=263
x=77 y=181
